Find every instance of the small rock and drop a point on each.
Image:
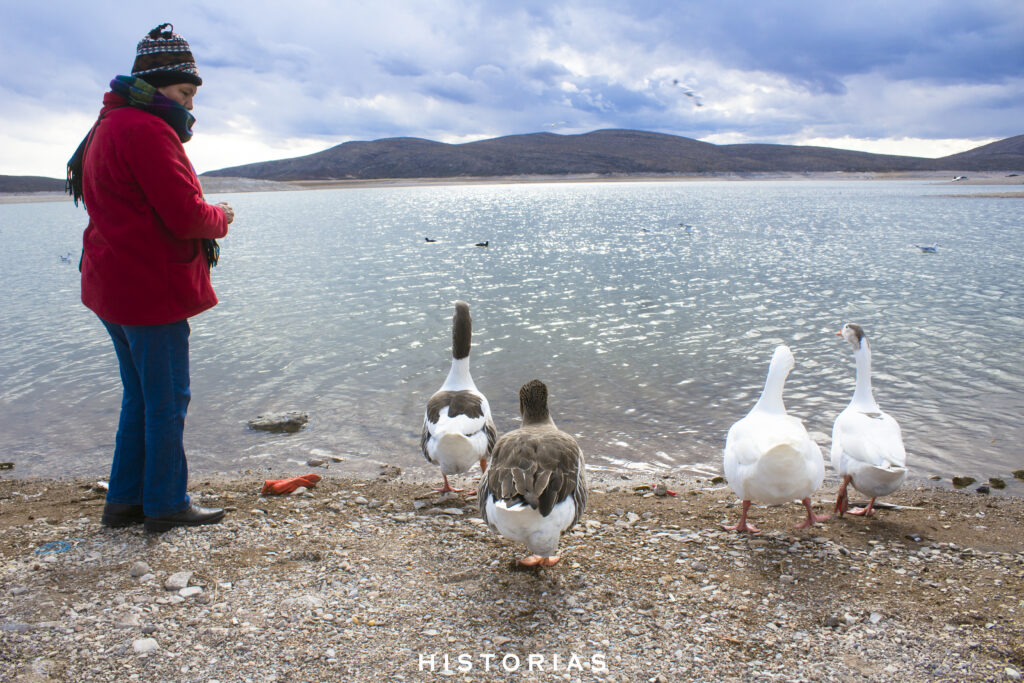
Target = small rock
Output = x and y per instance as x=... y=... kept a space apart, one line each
x=19 y=590
x=144 y=646
x=177 y=581
x=304 y=602
x=190 y=591
x=317 y=462
x=1018 y=474
x=935 y=477
x=850 y=619
x=288 y=422
x=717 y=480
x=361 y=500
x=138 y=569
x=1012 y=673
x=963 y=482
x=389 y=472
x=875 y=617
x=16 y=627
x=996 y=483
x=454 y=512
x=149 y=629
x=129 y=620
x=984 y=490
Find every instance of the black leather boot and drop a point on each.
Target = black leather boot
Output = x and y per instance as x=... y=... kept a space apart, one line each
x=116 y=515
x=195 y=515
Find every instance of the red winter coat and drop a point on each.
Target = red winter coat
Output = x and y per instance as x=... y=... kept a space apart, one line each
x=142 y=257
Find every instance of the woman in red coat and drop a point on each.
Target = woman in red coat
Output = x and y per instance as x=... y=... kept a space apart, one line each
x=146 y=260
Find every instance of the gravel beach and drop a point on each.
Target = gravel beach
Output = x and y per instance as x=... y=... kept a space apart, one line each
x=378 y=578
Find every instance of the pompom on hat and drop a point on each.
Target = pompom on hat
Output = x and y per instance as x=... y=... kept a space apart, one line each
x=164 y=58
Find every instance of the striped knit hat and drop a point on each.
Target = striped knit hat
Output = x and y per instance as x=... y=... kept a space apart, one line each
x=164 y=58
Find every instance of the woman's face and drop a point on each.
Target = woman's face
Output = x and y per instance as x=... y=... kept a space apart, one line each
x=182 y=93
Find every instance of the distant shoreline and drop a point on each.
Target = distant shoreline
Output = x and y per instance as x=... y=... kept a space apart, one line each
x=218 y=185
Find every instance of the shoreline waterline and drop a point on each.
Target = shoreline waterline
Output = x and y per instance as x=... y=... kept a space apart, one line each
x=230 y=185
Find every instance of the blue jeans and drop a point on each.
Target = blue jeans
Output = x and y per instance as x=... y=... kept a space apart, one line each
x=149 y=467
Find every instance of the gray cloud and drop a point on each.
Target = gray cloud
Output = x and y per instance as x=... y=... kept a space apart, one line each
x=766 y=71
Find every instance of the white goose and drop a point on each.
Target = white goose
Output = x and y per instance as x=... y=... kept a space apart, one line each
x=535 y=488
x=458 y=430
x=769 y=456
x=867 y=446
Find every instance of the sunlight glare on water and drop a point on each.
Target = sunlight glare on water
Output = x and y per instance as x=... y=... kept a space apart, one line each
x=653 y=338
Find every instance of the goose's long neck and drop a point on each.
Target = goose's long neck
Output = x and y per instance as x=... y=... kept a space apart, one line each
x=862 y=397
x=462 y=339
x=459 y=377
x=771 y=396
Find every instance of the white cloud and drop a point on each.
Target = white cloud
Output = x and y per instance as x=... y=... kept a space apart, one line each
x=306 y=75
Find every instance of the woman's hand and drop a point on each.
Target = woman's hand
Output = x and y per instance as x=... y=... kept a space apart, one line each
x=229 y=213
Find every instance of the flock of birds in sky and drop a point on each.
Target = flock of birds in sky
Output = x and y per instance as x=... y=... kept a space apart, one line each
x=533 y=486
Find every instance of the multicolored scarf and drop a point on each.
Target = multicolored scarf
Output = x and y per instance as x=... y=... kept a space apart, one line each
x=140 y=94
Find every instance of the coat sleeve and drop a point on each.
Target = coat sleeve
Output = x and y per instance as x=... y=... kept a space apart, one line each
x=159 y=164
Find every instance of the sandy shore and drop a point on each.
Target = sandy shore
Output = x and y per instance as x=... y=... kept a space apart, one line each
x=380 y=579
x=214 y=185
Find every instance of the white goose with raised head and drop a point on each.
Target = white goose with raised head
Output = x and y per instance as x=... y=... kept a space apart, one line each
x=534 y=489
x=769 y=456
x=867 y=445
x=458 y=430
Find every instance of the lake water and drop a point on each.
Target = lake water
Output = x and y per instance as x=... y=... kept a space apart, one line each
x=652 y=339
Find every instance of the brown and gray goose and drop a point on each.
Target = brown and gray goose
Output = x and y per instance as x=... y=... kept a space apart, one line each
x=458 y=430
x=534 y=488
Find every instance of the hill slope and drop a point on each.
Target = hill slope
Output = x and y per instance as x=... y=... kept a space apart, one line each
x=1001 y=155
x=30 y=183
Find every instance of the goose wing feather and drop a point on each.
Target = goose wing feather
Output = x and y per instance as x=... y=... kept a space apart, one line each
x=540 y=468
x=866 y=439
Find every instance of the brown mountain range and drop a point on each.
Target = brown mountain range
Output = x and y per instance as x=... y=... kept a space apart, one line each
x=604 y=152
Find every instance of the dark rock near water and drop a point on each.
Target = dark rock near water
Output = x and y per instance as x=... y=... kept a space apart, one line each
x=996 y=483
x=289 y=422
x=963 y=482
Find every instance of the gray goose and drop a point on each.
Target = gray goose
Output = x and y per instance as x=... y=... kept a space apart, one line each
x=458 y=430
x=535 y=488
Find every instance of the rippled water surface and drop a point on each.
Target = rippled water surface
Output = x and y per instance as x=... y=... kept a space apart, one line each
x=652 y=338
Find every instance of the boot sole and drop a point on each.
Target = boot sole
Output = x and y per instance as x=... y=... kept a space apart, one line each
x=158 y=525
x=119 y=522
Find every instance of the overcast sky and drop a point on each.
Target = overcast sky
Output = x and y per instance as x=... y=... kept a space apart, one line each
x=281 y=79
